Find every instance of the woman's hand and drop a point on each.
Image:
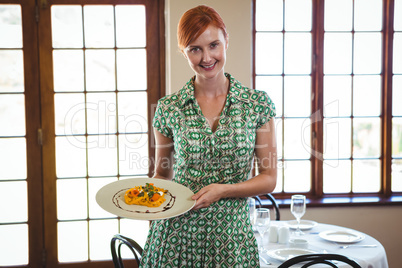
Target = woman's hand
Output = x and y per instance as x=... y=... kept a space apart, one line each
x=209 y=194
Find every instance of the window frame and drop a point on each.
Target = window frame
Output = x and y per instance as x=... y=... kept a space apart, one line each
x=316 y=196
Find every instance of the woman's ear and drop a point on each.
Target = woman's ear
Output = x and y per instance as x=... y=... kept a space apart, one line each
x=227 y=41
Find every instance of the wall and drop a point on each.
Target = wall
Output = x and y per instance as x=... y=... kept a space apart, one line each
x=381 y=222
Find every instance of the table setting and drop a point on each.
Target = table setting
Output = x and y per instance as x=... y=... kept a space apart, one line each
x=282 y=240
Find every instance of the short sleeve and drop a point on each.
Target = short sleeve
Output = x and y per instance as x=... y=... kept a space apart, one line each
x=161 y=120
x=266 y=109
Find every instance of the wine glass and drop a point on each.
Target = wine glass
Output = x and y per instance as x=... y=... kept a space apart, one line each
x=298 y=208
x=251 y=208
x=262 y=222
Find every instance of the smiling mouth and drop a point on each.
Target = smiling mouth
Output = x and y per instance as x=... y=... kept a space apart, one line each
x=209 y=67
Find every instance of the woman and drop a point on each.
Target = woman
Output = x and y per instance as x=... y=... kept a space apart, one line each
x=214 y=127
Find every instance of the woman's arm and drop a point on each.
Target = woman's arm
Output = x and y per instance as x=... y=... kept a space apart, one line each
x=163 y=156
x=264 y=182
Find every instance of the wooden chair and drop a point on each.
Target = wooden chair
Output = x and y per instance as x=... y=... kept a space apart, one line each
x=311 y=259
x=273 y=201
x=115 y=246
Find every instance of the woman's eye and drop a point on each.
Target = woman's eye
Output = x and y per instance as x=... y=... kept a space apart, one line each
x=194 y=49
x=213 y=45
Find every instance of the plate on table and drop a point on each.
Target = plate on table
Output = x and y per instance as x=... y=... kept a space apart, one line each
x=304 y=224
x=343 y=236
x=284 y=254
x=178 y=199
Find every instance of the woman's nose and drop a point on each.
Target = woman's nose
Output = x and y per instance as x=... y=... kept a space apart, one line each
x=206 y=56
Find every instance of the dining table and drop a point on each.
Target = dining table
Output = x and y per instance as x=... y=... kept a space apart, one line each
x=321 y=238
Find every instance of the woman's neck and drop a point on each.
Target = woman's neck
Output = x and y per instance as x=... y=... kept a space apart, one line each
x=211 y=88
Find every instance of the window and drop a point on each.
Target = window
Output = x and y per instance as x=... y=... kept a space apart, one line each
x=334 y=74
x=79 y=121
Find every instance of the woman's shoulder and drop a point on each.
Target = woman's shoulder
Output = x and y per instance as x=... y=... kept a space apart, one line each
x=245 y=93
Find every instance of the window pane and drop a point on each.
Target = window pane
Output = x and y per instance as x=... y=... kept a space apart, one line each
x=297 y=99
x=72 y=241
x=13 y=159
x=368 y=15
x=397 y=54
x=397 y=95
x=130 y=26
x=367 y=95
x=100 y=233
x=13 y=197
x=99 y=26
x=69 y=114
x=337 y=176
x=366 y=137
x=269 y=48
x=133 y=116
x=10 y=26
x=269 y=15
x=12 y=115
x=11 y=71
x=67 y=26
x=298 y=15
x=367 y=53
x=68 y=70
x=397 y=137
x=100 y=70
x=297 y=53
x=366 y=176
x=398 y=15
x=337 y=96
x=337 y=53
x=94 y=185
x=297 y=176
x=338 y=15
x=101 y=113
x=297 y=138
x=71 y=152
x=102 y=155
x=14 y=244
x=129 y=227
x=396 y=175
x=131 y=69
x=69 y=208
x=279 y=137
x=273 y=86
x=133 y=154
x=337 y=138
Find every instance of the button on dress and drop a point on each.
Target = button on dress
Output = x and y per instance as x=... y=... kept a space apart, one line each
x=219 y=235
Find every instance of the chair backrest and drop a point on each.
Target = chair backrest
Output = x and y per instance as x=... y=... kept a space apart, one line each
x=311 y=259
x=115 y=247
x=273 y=201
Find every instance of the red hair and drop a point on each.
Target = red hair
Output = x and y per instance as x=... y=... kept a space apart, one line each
x=195 y=21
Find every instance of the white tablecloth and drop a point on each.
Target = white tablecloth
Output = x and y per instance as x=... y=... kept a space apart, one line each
x=366 y=257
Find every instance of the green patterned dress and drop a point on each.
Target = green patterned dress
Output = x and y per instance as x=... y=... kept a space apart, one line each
x=220 y=235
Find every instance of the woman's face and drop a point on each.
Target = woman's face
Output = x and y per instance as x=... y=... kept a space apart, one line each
x=206 y=55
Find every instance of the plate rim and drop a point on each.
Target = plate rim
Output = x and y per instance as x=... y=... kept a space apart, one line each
x=158 y=216
x=360 y=236
x=313 y=224
x=271 y=253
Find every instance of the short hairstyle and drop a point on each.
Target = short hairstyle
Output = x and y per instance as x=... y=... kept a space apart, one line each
x=195 y=21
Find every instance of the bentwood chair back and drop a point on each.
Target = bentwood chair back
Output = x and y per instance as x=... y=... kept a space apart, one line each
x=272 y=200
x=117 y=242
x=311 y=259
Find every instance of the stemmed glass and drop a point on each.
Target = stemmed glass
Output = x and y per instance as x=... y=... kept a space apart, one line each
x=298 y=208
x=262 y=222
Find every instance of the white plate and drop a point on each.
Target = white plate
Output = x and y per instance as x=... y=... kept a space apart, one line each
x=304 y=224
x=178 y=199
x=345 y=236
x=284 y=254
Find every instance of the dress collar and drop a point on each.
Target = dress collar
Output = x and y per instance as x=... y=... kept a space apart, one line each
x=237 y=92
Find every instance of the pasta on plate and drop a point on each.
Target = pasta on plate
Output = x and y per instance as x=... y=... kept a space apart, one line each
x=148 y=195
